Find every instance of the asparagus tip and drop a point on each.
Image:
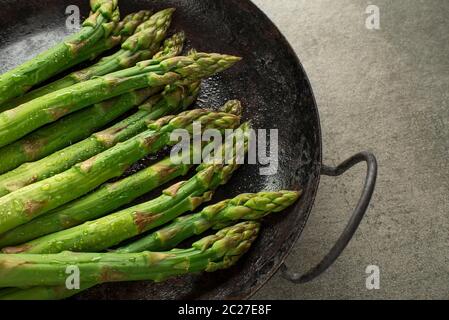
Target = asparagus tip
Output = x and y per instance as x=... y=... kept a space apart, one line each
x=229 y=239
x=233 y=107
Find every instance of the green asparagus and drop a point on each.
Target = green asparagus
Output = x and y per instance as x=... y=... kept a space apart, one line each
x=27 y=203
x=100 y=234
x=111 y=230
x=42 y=293
x=173 y=100
x=97 y=204
x=242 y=207
x=171 y=47
x=212 y=253
x=149 y=34
x=106 y=199
x=95 y=37
x=80 y=124
x=17 y=122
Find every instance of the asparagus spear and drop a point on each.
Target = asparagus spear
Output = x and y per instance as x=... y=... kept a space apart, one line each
x=212 y=253
x=41 y=293
x=97 y=204
x=68 y=130
x=110 y=230
x=79 y=125
x=242 y=207
x=128 y=25
x=27 y=203
x=173 y=100
x=171 y=47
x=95 y=37
x=145 y=43
x=106 y=199
x=17 y=122
x=113 y=229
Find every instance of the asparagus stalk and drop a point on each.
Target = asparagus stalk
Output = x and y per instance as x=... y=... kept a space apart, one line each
x=212 y=253
x=27 y=203
x=68 y=130
x=173 y=100
x=97 y=204
x=120 y=226
x=145 y=43
x=41 y=293
x=95 y=37
x=113 y=229
x=243 y=207
x=17 y=122
x=81 y=124
x=60 y=293
x=106 y=199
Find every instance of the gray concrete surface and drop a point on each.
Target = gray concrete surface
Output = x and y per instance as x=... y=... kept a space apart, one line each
x=385 y=91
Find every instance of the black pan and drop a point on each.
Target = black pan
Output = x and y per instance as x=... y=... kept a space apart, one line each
x=276 y=94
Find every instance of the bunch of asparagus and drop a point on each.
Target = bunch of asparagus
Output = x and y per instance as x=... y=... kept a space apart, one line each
x=66 y=195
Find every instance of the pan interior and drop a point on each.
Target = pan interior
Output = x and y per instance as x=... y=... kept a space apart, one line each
x=275 y=93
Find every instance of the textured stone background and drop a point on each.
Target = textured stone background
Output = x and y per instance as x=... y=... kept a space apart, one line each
x=385 y=91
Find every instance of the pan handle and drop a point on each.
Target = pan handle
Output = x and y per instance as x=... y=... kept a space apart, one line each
x=353 y=223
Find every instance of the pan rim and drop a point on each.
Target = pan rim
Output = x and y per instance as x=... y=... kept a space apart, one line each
x=299 y=230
